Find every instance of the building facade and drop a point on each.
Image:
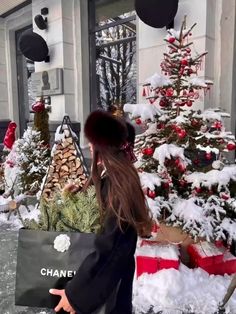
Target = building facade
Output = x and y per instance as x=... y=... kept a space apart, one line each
x=71 y=36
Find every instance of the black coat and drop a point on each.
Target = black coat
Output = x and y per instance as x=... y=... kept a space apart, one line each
x=106 y=272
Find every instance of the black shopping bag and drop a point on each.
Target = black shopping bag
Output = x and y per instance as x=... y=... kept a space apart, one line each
x=47 y=260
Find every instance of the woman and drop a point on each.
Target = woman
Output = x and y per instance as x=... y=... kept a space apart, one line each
x=104 y=280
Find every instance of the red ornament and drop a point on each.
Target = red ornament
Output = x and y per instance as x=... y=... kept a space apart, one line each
x=231 y=146
x=184 y=62
x=196 y=161
x=10 y=137
x=38 y=107
x=177 y=162
x=182 y=134
x=194 y=122
x=188 y=50
x=161 y=126
x=166 y=185
x=225 y=196
x=144 y=92
x=138 y=121
x=208 y=156
x=162 y=103
x=217 y=125
x=191 y=94
x=198 y=190
x=190 y=34
x=171 y=40
x=169 y=92
x=151 y=194
x=148 y=151
x=190 y=71
x=189 y=103
x=182 y=183
x=181 y=167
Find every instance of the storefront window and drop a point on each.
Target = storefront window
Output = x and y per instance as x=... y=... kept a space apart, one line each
x=113 y=54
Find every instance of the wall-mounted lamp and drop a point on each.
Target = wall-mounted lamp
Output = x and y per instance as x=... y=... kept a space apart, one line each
x=40 y=21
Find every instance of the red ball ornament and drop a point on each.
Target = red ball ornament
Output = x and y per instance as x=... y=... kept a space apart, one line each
x=224 y=196
x=191 y=94
x=169 y=92
x=231 y=146
x=151 y=194
x=182 y=183
x=196 y=161
x=177 y=162
x=194 y=122
x=184 y=62
x=181 y=167
x=182 y=134
x=171 y=40
x=188 y=50
x=189 y=103
x=166 y=185
x=148 y=151
x=162 y=103
x=38 y=107
x=198 y=190
x=208 y=156
x=138 y=121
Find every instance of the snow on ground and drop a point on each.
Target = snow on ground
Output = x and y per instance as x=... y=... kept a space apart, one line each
x=181 y=291
x=14 y=222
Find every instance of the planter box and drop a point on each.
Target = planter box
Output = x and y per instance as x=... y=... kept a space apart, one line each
x=41 y=265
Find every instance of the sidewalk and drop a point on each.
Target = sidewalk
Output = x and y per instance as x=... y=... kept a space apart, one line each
x=8 y=251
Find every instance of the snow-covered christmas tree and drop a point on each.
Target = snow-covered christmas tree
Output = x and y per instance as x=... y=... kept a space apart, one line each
x=27 y=163
x=182 y=154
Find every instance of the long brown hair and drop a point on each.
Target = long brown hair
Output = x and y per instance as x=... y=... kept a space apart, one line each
x=125 y=197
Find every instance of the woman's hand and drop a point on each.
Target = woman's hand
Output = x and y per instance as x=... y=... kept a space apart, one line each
x=64 y=303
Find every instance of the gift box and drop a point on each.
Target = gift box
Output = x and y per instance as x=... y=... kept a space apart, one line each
x=153 y=256
x=213 y=258
x=228 y=266
x=205 y=255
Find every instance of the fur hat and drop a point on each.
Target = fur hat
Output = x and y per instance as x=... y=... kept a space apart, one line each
x=103 y=129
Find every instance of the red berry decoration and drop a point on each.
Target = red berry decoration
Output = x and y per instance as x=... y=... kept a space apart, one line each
x=231 y=146
x=184 y=62
x=189 y=103
x=169 y=92
x=151 y=194
x=208 y=156
x=138 y=121
x=171 y=40
x=38 y=107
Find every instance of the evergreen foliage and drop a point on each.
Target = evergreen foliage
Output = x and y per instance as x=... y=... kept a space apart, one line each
x=68 y=212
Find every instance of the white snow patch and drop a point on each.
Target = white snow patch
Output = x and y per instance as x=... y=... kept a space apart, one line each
x=168 y=151
x=176 y=291
x=144 y=111
x=157 y=80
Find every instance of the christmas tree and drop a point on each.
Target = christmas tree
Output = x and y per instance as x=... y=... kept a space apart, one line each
x=27 y=163
x=182 y=154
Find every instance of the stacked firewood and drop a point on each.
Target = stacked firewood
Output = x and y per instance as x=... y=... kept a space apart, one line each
x=66 y=167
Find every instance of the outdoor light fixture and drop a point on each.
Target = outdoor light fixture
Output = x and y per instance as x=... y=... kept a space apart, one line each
x=40 y=21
